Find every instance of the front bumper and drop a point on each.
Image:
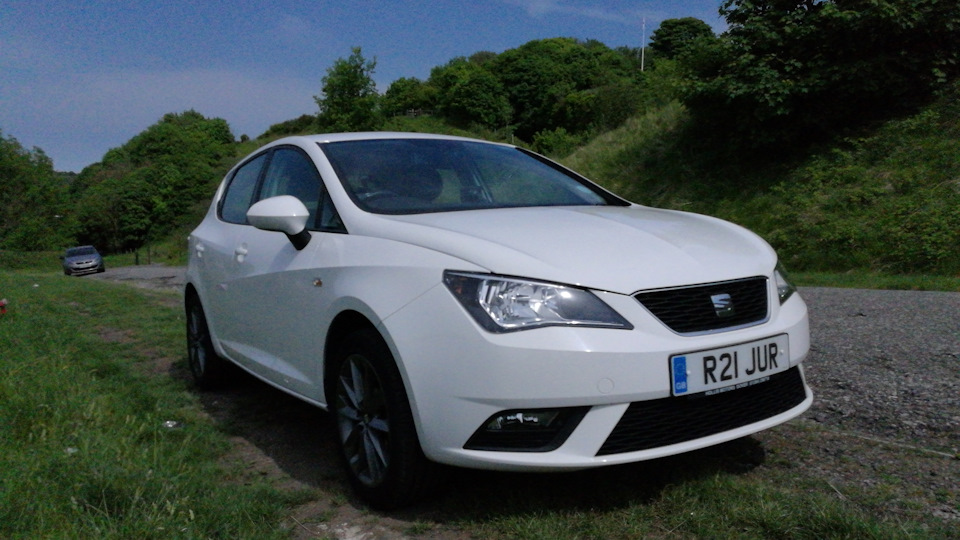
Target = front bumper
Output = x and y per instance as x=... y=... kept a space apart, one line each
x=82 y=269
x=459 y=376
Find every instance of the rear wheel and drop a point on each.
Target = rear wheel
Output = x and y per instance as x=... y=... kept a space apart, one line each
x=205 y=365
x=374 y=425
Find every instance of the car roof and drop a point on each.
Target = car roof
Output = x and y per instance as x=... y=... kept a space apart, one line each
x=372 y=136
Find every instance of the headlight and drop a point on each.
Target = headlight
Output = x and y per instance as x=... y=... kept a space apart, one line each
x=785 y=288
x=502 y=304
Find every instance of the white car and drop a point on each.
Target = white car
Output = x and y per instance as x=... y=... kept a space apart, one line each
x=474 y=304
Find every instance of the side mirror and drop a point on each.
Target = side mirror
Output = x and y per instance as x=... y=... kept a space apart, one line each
x=285 y=214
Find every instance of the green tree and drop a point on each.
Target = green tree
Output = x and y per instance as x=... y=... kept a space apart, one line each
x=548 y=82
x=790 y=72
x=468 y=93
x=119 y=213
x=674 y=35
x=140 y=190
x=33 y=200
x=349 y=99
x=408 y=93
x=305 y=123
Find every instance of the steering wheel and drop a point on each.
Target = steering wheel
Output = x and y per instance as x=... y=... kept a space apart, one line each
x=370 y=196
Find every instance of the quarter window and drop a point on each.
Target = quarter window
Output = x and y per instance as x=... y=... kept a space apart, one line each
x=239 y=196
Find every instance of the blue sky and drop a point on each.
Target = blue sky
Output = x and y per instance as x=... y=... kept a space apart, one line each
x=79 y=78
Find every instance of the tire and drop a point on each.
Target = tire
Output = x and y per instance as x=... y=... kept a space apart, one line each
x=374 y=427
x=205 y=365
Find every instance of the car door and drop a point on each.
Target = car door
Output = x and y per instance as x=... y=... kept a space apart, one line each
x=214 y=245
x=272 y=290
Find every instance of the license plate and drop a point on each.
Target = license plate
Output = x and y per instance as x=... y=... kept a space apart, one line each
x=729 y=368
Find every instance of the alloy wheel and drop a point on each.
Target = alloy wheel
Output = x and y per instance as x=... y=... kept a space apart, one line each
x=363 y=420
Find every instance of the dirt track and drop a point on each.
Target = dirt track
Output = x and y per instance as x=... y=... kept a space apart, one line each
x=150 y=276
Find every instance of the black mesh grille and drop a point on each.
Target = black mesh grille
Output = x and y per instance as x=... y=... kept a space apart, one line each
x=689 y=310
x=662 y=422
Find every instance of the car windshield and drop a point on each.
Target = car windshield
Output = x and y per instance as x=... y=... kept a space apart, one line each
x=83 y=250
x=407 y=176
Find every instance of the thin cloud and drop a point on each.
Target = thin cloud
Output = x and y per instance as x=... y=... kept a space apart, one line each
x=118 y=105
x=640 y=13
x=293 y=31
x=542 y=8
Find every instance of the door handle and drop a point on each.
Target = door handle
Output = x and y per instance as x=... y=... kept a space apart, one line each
x=240 y=252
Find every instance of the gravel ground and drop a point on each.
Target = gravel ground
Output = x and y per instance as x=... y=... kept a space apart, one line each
x=884 y=430
x=885 y=371
x=887 y=364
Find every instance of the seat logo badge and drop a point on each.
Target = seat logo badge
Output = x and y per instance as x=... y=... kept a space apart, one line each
x=723 y=305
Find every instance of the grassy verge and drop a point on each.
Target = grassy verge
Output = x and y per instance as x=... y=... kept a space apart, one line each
x=887 y=201
x=171 y=252
x=94 y=445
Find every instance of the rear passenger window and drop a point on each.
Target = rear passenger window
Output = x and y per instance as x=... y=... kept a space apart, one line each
x=239 y=196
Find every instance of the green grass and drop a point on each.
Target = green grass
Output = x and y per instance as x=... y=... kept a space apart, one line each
x=171 y=252
x=85 y=451
x=717 y=506
x=712 y=493
x=30 y=260
x=630 y=160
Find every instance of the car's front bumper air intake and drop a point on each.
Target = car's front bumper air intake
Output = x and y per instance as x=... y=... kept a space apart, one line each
x=673 y=420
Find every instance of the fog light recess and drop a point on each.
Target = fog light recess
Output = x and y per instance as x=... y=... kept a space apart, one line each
x=526 y=430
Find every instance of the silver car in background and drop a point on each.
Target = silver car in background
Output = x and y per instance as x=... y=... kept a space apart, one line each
x=81 y=260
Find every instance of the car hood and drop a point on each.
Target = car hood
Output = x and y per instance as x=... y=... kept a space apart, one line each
x=612 y=248
x=81 y=258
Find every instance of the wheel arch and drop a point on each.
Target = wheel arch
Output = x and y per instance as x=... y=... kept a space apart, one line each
x=191 y=293
x=342 y=326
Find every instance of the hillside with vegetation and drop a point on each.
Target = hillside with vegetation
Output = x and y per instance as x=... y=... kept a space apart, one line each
x=832 y=128
x=885 y=201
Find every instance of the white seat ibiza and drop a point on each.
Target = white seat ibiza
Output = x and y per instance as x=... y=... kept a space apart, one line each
x=474 y=304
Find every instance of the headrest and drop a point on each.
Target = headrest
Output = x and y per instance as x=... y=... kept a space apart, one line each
x=417 y=181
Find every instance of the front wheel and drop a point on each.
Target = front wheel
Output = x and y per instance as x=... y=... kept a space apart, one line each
x=205 y=365
x=374 y=426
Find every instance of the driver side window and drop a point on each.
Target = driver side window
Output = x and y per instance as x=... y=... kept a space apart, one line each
x=290 y=172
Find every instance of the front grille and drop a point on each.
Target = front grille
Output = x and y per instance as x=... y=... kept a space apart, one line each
x=662 y=422
x=690 y=310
